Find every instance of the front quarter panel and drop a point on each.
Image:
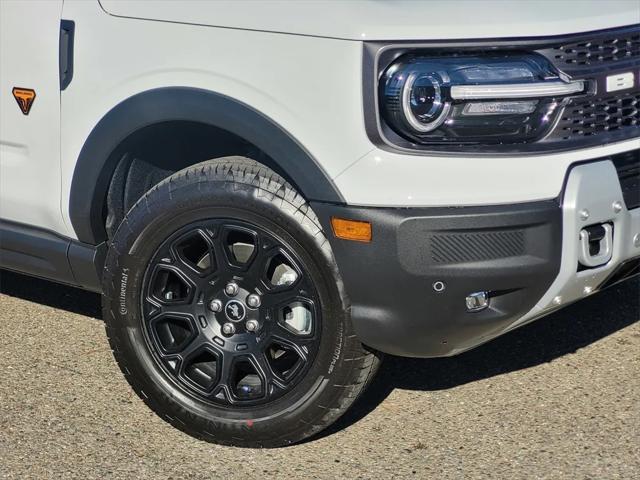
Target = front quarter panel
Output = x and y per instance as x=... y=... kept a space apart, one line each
x=304 y=84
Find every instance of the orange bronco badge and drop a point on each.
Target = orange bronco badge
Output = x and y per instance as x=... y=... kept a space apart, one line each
x=25 y=98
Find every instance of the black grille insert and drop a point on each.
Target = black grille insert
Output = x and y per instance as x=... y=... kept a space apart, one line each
x=628 y=166
x=596 y=51
x=585 y=117
x=600 y=50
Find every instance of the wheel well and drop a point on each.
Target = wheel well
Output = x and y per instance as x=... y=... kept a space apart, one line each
x=167 y=129
x=154 y=153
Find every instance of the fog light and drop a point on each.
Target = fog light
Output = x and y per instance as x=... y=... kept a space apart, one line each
x=477 y=301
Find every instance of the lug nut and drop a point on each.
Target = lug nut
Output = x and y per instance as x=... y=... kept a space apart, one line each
x=252 y=325
x=231 y=289
x=228 y=329
x=254 y=300
x=215 y=306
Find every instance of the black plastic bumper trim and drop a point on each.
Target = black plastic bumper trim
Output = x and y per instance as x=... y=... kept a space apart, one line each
x=628 y=168
x=513 y=252
x=624 y=271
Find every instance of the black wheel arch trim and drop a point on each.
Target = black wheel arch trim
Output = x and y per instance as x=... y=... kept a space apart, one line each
x=96 y=165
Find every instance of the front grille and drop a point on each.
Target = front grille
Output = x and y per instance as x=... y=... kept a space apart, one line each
x=596 y=119
x=606 y=50
x=628 y=167
x=601 y=50
x=586 y=117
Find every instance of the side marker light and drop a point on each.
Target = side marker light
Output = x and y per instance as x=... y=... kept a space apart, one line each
x=354 y=230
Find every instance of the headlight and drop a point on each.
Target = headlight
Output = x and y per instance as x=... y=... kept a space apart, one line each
x=472 y=99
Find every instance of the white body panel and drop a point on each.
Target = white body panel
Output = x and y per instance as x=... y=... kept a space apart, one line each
x=30 y=144
x=286 y=78
x=392 y=19
x=383 y=178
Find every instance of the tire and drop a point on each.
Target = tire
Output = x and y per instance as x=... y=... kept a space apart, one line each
x=232 y=221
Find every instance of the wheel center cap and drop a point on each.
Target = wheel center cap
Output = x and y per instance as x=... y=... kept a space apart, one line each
x=235 y=311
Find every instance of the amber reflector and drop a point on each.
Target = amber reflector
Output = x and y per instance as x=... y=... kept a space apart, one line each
x=351 y=229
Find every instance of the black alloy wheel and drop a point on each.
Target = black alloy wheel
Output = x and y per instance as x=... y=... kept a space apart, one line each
x=230 y=312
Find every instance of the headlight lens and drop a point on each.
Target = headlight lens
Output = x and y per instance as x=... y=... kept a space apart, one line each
x=473 y=99
x=423 y=101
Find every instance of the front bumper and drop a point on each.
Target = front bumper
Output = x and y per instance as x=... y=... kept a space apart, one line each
x=525 y=255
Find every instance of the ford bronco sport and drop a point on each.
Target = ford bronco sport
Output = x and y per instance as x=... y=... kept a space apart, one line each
x=269 y=195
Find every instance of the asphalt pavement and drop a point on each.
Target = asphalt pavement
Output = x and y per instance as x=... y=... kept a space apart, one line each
x=559 y=398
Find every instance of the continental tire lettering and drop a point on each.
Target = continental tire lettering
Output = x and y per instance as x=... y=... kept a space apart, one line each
x=337 y=351
x=123 y=291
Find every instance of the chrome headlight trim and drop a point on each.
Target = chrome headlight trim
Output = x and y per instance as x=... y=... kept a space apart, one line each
x=507 y=91
x=406 y=105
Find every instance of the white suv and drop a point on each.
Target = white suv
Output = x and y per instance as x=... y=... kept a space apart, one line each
x=269 y=194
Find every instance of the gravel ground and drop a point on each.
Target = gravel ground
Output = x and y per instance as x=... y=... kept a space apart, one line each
x=556 y=399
